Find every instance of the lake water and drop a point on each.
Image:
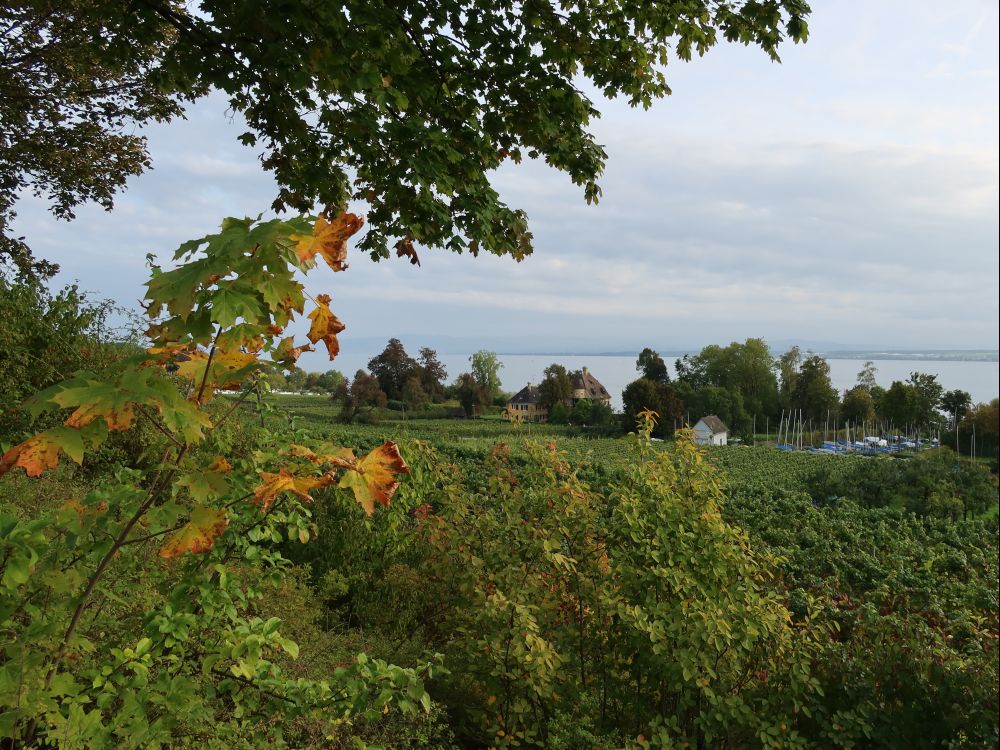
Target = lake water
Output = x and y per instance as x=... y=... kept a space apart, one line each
x=978 y=378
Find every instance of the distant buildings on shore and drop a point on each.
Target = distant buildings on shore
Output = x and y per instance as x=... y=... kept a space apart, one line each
x=526 y=405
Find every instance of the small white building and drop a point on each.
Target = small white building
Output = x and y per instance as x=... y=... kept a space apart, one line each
x=711 y=430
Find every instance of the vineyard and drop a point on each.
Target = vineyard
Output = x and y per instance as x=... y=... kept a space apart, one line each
x=751 y=471
x=897 y=557
x=525 y=586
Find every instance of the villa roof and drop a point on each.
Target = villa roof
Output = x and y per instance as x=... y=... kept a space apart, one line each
x=715 y=424
x=590 y=385
x=527 y=395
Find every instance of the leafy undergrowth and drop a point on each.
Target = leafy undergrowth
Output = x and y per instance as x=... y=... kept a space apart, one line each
x=902 y=606
x=584 y=598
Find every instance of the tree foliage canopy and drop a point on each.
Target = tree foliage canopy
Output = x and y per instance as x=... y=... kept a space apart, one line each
x=913 y=403
x=432 y=374
x=556 y=388
x=486 y=370
x=647 y=395
x=858 y=406
x=361 y=398
x=734 y=382
x=471 y=395
x=408 y=106
x=393 y=367
x=814 y=393
x=652 y=366
x=955 y=403
x=74 y=76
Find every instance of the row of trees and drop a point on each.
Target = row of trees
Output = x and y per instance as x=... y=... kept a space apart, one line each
x=402 y=378
x=744 y=383
x=395 y=379
x=975 y=432
x=297 y=379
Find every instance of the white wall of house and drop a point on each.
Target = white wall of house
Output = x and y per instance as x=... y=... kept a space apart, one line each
x=703 y=435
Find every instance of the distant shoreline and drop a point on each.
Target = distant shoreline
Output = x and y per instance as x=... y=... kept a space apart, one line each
x=972 y=355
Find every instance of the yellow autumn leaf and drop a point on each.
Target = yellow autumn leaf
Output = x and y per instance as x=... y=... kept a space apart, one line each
x=273 y=485
x=226 y=370
x=375 y=478
x=287 y=353
x=198 y=535
x=328 y=239
x=325 y=325
x=339 y=457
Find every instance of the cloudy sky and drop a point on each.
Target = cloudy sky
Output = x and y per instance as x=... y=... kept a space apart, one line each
x=845 y=198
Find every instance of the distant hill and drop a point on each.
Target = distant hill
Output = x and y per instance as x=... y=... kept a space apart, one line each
x=929 y=355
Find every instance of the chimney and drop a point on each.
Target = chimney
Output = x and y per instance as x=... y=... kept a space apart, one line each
x=585 y=370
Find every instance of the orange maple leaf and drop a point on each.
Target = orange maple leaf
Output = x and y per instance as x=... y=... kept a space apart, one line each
x=94 y=400
x=339 y=457
x=34 y=455
x=117 y=417
x=198 y=535
x=329 y=239
x=376 y=476
x=41 y=452
x=274 y=484
x=325 y=325
x=287 y=353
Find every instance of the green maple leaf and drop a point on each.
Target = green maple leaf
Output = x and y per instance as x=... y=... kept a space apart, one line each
x=233 y=242
x=265 y=234
x=70 y=440
x=178 y=289
x=113 y=402
x=281 y=292
x=180 y=415
x=241 y=335
x=199 y=326
x=184 y=417
x=204 y=485
x=230 y=303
